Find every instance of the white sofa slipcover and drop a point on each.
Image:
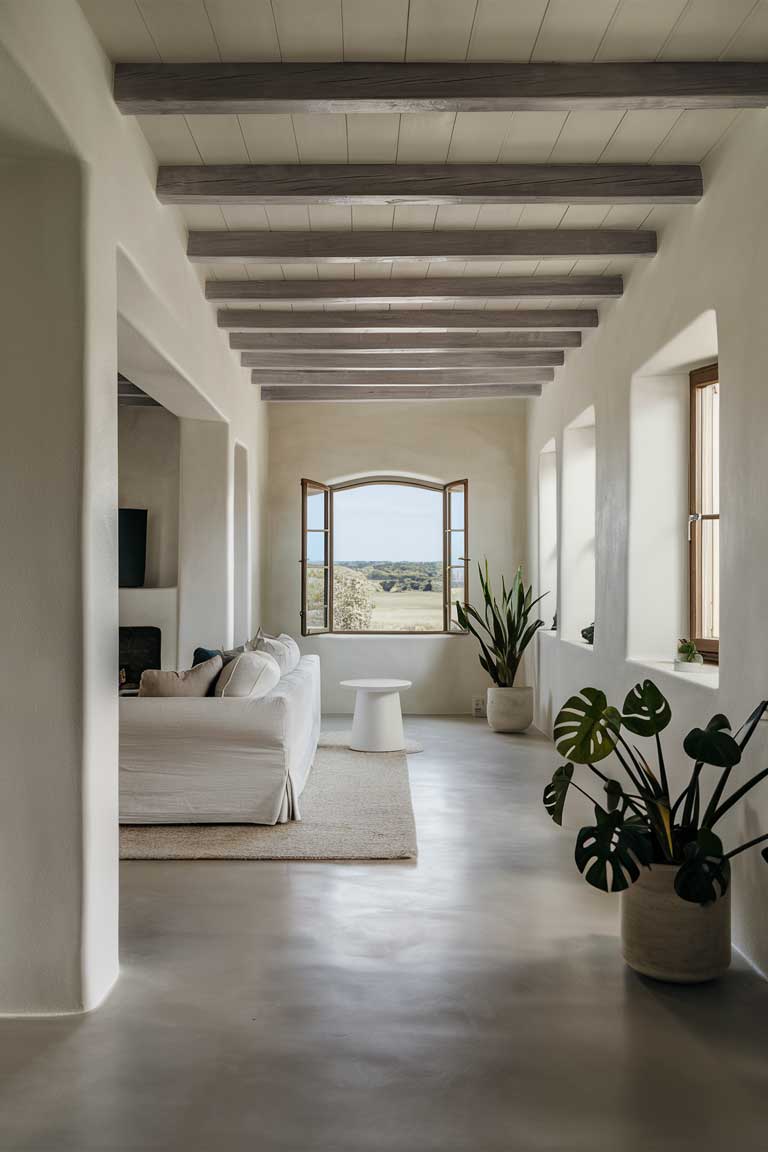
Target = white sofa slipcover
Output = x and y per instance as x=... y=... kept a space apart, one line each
x=220 y=761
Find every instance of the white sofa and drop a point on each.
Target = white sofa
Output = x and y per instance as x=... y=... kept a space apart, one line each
x=220 y=761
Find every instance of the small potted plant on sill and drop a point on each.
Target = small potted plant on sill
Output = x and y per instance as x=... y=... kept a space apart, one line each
x=662 y=855
x=504 y=631
x=688 y=658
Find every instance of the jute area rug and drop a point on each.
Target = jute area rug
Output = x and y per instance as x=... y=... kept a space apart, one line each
x=355 y=806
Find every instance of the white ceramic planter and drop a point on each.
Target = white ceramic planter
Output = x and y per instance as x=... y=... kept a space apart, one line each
x=670 y=939
x=509 y=709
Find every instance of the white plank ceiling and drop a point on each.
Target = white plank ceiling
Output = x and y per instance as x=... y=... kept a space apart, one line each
x=404 y=30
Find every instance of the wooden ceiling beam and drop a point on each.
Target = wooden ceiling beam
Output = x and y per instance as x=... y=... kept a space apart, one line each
x=311 y=379
x=429 y=184
x=129 y=395
x=278 y=362
x=407 y=320
x=404 y=245
x=431 y=290
x=234 y=88
x=373 y=344
x=385 y=392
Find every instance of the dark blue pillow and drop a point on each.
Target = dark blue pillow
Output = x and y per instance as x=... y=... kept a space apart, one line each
x=203 y=654
x=200 y=657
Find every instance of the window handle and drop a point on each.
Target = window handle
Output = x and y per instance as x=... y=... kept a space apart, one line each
x=693 y=518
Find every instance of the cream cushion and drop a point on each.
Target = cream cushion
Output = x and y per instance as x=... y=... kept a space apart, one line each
x=285 y=656
x=251 y=674
x=196 y=682
x=293 y=649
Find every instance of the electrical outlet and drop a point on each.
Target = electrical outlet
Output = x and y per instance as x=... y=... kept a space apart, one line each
x=478 y=707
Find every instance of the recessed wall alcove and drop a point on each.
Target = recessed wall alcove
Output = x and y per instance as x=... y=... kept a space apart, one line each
x=579 y=504
x=659 y=434
x=548 y=534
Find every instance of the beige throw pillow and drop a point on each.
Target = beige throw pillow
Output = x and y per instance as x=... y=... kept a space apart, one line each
x=249 y=674
x=276 y=649
x=196 y=682
x=293 y=649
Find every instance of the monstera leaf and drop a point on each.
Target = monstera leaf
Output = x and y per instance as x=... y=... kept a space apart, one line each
x=609 y=855
x=646 y=711
x=586 y=728
x=713 y=744
x=706 y=872
x=556 y=792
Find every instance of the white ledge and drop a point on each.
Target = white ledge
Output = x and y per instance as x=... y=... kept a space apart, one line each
x=578 y=644
x=708 y=679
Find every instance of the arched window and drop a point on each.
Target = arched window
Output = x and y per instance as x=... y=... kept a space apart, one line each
x=383 y=555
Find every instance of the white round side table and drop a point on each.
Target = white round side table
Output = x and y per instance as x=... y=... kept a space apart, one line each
x=377 y=725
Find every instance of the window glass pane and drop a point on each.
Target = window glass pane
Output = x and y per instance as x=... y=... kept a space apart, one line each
x=315 y=508
x=710 y=580
x=457 y=592
x=316 y=547
x=456 y=547
x=388 y=559
x=456 y=497
x=317 y=597
x=709 y=449
x=317 y=619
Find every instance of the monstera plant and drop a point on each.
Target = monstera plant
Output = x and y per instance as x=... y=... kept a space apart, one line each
x=638 y=822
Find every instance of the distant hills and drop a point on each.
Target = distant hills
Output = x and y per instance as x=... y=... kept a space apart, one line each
x=399 y=575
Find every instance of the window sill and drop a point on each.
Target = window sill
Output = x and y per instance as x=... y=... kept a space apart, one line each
x=709 y=678
x=383 y=635
x=578 y=644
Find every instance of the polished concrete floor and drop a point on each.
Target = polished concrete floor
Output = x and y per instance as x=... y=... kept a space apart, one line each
x=473 y=1002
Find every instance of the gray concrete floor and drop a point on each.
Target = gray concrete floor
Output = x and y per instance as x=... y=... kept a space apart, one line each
x=473 y=1002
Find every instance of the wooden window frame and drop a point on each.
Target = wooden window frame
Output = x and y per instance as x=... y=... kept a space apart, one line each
x=308 y=486
x=709 y=648
x=448 y=529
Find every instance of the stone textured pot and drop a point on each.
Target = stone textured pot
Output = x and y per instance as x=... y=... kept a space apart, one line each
x=670 y=939
x=509 y=709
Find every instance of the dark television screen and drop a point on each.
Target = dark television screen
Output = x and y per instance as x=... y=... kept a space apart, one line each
x=132 y=543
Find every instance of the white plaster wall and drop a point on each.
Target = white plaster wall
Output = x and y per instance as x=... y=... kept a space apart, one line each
x=481 y=440
x=148 y=477
x=242 y=559
x=548 y=541
x=55 y=94
x=206 y=606
x=712 y=256
x=657 y=572
x=42 y=446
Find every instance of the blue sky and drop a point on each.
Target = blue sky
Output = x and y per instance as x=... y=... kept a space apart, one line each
x=387 y=522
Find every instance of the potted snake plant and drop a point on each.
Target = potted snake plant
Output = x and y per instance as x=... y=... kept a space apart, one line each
x=659 y=850
x=504 y=631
